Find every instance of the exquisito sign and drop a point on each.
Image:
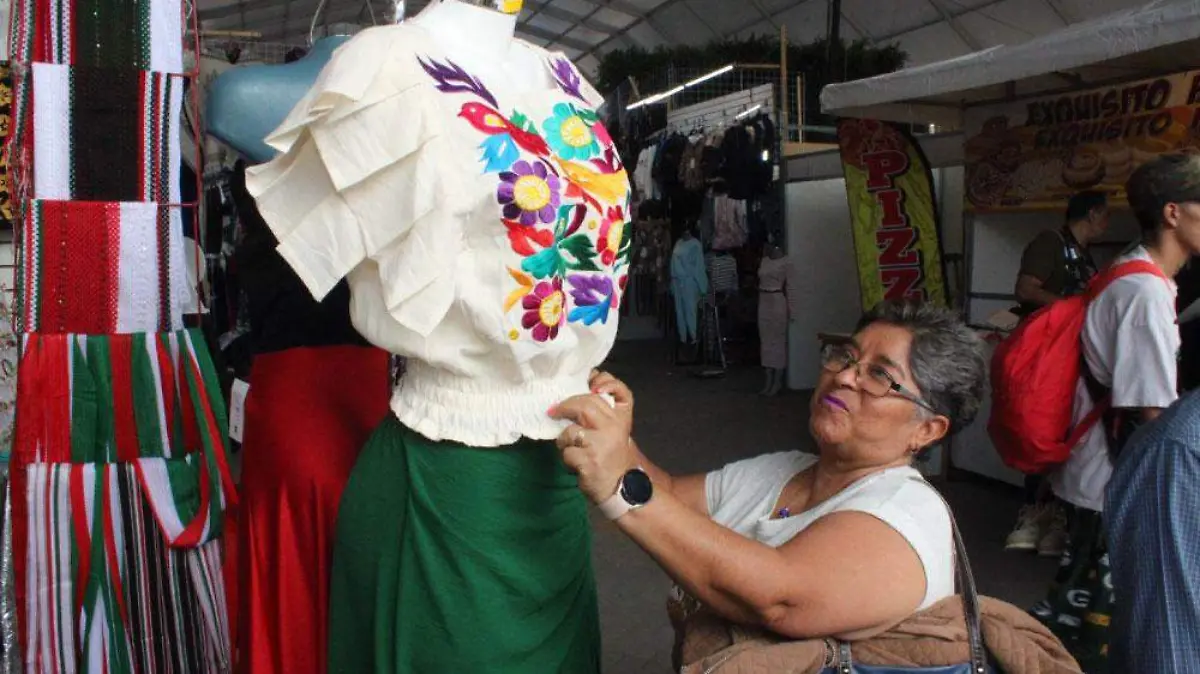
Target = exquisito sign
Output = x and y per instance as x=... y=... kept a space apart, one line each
x=890 y=190
x=1035 y=154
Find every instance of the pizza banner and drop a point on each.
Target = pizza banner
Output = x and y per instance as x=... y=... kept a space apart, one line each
x=892 y=210
x=1035 y=154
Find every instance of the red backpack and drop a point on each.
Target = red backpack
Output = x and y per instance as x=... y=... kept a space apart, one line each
x=1034 y=375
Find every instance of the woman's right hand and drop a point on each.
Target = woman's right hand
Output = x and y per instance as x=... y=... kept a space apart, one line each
x=603 y=383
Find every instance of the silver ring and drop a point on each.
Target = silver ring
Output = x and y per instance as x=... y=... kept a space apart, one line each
x=579 y=435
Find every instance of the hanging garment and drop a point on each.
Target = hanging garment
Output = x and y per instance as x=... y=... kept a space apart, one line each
x=691 y=167
x=131 y=588
x=689 y=283
x=766 y=150
x=775 y=297
x=412 y=219
x=124 y=35
x=740 y=164
x=729 y=219
x=454 y=559
x=105 y=134
x=101 y=268
x=722 y=273
x=132 y=548
x=712 y=158
x=643 y=175
x=308 y=413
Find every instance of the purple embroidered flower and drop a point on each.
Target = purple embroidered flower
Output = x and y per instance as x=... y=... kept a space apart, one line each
x=544 y=310
x=529 y=193
x=568 y=78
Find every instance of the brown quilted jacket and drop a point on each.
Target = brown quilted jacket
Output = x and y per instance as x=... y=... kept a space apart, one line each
x=937 y=636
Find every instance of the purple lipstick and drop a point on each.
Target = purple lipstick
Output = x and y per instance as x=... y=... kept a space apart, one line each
x=834 y=402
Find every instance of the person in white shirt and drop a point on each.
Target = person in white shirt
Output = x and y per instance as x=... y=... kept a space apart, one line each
x=847 y=543
x=1130 y=345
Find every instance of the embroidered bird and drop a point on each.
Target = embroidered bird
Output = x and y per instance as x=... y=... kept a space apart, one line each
x=488 y=121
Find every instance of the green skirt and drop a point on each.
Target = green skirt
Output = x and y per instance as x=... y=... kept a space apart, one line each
x=454 y=559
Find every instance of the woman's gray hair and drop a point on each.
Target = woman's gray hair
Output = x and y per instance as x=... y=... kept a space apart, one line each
x=946 y=358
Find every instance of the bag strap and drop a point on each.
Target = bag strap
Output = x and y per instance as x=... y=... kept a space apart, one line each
x=1119 y=271
x=966 y=589
x=1101 y=394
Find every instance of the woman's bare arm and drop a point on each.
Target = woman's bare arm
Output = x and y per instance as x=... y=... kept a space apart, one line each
x=849 y=574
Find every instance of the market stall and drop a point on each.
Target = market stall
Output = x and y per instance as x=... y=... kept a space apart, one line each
x=1077 y=109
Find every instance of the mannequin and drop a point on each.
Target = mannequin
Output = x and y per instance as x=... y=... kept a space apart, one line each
x=245 y=104
x=447 y=168
x=317 y=390
x=776 y=297
x=689 y=283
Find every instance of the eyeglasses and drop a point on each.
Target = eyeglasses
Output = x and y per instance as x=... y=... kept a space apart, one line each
x=878 y=382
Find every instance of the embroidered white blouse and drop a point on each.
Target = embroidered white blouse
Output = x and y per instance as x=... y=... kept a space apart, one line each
x=484 y=239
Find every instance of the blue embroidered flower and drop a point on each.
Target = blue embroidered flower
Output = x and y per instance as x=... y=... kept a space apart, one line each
x=571 y=133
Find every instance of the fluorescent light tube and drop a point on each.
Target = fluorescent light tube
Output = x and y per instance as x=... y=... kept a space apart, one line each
x=704 y=78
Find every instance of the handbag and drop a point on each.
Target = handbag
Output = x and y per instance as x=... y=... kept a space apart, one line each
x=842 y=652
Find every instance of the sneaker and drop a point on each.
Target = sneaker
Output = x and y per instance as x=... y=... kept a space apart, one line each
x=1028 y=532
x=1053 y=542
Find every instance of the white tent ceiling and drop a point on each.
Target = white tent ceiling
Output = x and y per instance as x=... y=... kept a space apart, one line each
x=929 y=30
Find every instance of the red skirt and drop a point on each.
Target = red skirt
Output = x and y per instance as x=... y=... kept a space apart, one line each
x=308 y=413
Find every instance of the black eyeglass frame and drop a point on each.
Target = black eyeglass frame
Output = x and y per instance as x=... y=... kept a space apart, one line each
x=834 y=367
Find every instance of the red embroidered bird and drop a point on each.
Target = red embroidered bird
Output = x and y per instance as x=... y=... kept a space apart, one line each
x=493 y=123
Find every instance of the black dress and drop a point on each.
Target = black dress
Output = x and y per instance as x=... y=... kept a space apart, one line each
x=283 y=315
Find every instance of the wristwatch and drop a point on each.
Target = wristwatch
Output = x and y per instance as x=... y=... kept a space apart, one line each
x=633 y=491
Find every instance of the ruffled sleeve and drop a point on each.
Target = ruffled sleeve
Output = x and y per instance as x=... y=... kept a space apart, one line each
x=366 y=173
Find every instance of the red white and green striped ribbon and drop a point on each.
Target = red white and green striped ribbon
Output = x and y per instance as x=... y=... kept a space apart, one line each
x=105 y=594
x=100 y=268
x=121 y=477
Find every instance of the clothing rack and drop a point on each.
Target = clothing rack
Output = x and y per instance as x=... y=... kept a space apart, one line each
x=719 y=112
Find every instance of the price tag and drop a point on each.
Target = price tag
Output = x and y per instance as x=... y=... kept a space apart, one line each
x=237 y=409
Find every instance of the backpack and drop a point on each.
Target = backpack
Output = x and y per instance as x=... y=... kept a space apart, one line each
x=1035 y=372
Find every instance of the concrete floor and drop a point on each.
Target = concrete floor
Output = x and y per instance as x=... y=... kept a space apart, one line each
x=691 y=425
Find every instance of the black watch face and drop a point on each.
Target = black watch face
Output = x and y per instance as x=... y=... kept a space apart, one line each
x=637 y=488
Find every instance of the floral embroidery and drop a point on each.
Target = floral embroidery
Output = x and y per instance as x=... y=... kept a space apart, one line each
x=451 y=79
x=570 y=132
x=594 y=297
x=551 y=182
x=612 y=236
x=529 y=193
x=568 y=78
x=502 y=148
x=544 y=310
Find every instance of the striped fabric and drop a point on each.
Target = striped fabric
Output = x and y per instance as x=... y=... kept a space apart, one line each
x=121 y=459
x=105 y=593
x=105 y=134
x=134 y=399
x=124 y=34
x=100 y=268
x=722 y=274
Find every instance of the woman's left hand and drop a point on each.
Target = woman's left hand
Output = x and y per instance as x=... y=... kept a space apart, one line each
x=597 y=446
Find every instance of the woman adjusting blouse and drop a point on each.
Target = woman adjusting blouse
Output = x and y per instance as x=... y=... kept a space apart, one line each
x=847 y=543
